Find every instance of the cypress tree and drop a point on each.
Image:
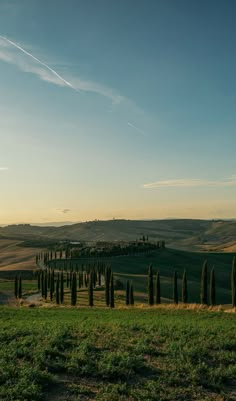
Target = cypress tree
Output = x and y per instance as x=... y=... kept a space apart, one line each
x=233 y=283
x=213 y=287
x=99 y=278
x=49 y=279
x=52 y=286
x=107 y=285
x=175 y=288
x=82 y=278
x=62 y=288
x=53 y=280
x=58 y=290
x=204 y=284
x=79 y=280
x=127 y=299
x=158 y=289
x=16 y=287
x=74 y=290
x=112 y=296
x=90 y=289
x=94 y=278
x=39 y=280
x=45 y=285
x=20 y=288
x=42 y=283
x=70 y=280
x=150 y=286
x=184 y=288
x=131 y=295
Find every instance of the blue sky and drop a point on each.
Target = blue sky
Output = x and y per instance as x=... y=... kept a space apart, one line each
x=120 y=109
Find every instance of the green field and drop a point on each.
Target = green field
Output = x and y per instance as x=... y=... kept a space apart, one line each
x=130 y=355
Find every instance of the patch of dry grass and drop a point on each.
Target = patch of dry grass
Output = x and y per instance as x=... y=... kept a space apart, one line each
x=15 y=257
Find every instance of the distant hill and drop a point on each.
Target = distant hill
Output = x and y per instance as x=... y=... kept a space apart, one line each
x=184 y=234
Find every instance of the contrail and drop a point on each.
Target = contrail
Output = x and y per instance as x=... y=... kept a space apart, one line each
x=137 y=129
x=40 y=62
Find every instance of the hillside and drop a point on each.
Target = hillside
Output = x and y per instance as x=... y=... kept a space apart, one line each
x=181 y=234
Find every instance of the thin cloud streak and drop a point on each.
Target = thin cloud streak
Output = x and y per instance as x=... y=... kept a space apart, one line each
x=188 y=183
x=4 y=168
x=31 y=64
x=137 y=129
x=38 y=61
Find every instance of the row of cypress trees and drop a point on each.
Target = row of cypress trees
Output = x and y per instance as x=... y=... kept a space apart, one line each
x=53 y=282
x=203 y=291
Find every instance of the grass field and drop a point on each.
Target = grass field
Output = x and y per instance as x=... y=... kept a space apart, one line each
x=70 y=355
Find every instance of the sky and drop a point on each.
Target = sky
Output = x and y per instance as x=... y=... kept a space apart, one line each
x=117 y=109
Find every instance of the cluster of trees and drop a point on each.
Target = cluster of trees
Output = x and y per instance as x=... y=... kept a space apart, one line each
x=155 y=296
x=122 y=249
x=52 y=283
x=142 y=246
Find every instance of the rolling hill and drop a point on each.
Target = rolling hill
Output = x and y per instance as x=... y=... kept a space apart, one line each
x=186 y=234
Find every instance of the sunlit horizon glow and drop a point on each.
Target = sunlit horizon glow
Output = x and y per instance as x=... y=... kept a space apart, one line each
x=125 y=112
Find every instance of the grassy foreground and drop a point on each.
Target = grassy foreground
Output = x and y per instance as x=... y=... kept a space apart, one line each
x=80 y=354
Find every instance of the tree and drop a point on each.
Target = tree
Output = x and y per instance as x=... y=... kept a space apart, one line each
x=233 y=283
x=184 y=288
x=90 y=289
x=45 y=285
x=39 y=280
x=53 y=280
x=52 y=286
x=107 y=284
x=127 y=299
x=175 y=288
x=20 y=288
x=16 y=287
x=58 y=290
x=42 y=283
x=212 y=287
x=62 y=288
x=150 y=286
x=204 y=284
x=74 y=290
x=112 y=295
x=158 y=289
x=131 y=294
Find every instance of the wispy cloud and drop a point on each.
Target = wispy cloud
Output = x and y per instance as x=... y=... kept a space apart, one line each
x=64 y=211
x=4 y=168
x=137 y=129
x=188 y=183
x=13 y=53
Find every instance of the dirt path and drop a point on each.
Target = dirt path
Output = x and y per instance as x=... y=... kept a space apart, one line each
x=35 y=298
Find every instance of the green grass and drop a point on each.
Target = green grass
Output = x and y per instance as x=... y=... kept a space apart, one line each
x=71 y=354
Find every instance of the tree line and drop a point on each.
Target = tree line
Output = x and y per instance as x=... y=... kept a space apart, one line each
x=52 y=284
x=154 y=289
